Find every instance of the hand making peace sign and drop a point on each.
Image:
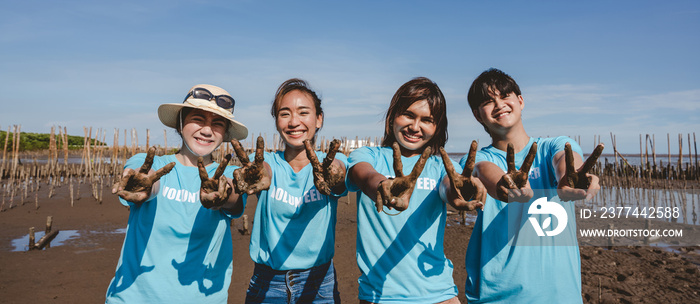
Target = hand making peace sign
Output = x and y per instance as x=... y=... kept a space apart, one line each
x=214 y=191
x=252 y=177
x=465 y=185
x=396 y=192
x=514 y=185
x=135 y=186
x=326 y=176
x=579 y=184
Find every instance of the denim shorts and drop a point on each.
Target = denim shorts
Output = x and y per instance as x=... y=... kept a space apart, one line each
x=314 y=285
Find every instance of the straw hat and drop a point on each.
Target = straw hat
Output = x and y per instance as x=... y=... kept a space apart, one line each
x=169 y=112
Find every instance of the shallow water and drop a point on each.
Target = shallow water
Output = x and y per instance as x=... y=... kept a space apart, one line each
x=22 y=243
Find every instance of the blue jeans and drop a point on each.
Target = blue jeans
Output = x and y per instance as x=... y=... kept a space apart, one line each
x=315 y=285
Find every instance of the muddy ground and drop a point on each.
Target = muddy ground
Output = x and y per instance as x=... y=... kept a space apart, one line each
x=80 y=270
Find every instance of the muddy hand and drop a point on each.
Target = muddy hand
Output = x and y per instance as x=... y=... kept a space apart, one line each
x=465 y=185
x=214 y=191
x=396 y=192
x=579 y=184
x=252 y=177
x=326 y=175
x=514 y=186
x=136 y=186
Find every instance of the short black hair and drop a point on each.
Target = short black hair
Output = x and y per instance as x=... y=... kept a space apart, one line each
x=487 y=83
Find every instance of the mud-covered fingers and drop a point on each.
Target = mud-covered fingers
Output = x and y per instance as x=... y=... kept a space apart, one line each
x=398 y=165
x=148 y=162
x=123 y=181
x=239 y=181
x=260 y=151
x=262 y=184
x=240 y=152
x=481 y=195
x=469 y=165
x=591 y=160
x=203 y=175
x=162 y=171
x=529 y=159
x=502 y=193
x=593 y=186
x=222 y=167
x=450 y=169
x=311 y=155
x=379 y=202
x=134 y=197
x=569 y=159
x=224 y=188
x=509 y=181
x=330 y=156
x=420 y=164
x=510 y=157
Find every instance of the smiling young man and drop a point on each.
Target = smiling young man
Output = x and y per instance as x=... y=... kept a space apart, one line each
x=506 y=261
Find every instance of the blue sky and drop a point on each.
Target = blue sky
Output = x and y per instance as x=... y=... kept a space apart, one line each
x=586 y=68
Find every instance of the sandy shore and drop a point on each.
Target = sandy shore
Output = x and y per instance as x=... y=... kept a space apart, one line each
x=80 y=270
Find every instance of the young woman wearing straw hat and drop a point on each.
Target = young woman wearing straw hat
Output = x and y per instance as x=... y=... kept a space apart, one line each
x=293 y=237
x=178 y=246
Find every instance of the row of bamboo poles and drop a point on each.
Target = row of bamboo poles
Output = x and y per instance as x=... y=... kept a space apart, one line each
x=652 y=182
x=100 y=165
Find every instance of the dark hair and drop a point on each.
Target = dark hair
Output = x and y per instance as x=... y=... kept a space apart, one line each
x=489 y=81
x=291 y=85
x=417 y=89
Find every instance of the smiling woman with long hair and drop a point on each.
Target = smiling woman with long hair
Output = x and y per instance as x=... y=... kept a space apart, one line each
x=400 y=214
x=293 y=237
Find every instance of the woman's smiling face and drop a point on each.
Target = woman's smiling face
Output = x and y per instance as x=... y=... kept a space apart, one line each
x=203 y=131
x=414 y=128
x=297 y=119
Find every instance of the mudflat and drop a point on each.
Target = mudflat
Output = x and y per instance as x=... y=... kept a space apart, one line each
x=80 y=270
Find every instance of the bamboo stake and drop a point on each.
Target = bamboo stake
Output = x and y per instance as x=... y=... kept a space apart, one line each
x=65 y=146
x=680 y=155
x=49 y=223
x=71 y=191
x=4 y=151
x=31 y=238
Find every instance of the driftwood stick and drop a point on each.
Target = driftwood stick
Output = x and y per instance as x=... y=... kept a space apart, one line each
x=44 y=241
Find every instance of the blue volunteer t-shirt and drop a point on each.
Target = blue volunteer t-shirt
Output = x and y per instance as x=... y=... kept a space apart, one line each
x=294 y=226
x=175 y=250
x=506 y=261
x=401 y=256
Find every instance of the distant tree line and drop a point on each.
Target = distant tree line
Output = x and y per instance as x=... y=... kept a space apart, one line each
x=40 y=141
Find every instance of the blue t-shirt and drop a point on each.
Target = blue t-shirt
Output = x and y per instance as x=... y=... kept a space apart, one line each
x=506 y=261
x=401 y=256
x=175 y=250
x=294 y=226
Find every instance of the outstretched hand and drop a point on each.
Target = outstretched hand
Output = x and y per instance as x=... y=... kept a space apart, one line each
x=136 y=186
x=579 y=184
x=214 y=191
x=465 y=185
x=326 y=176
x=396 y=192
x=514 y=185
x=252 y=177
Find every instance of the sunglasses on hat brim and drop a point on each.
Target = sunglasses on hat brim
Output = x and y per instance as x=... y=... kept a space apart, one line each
x=224 y=101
